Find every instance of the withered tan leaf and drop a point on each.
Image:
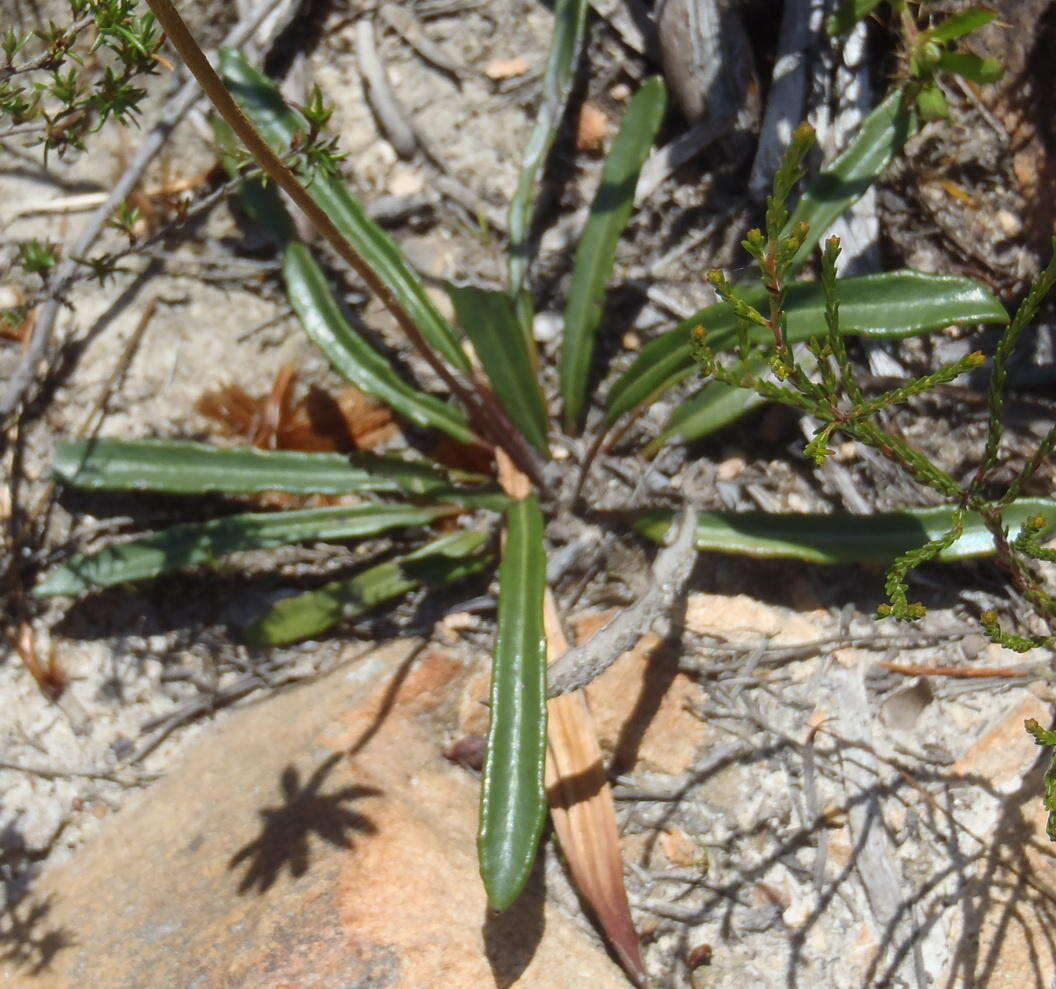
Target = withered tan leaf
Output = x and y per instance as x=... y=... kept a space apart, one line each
x=583 y=812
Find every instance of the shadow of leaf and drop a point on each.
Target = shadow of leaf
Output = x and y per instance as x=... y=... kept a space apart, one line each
x=25 y=939
x=286 y=829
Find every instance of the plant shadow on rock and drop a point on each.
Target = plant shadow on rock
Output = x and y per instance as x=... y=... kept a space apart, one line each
x=1008 y=897
x=26 y=939
x=286 y=829
x=511 y=936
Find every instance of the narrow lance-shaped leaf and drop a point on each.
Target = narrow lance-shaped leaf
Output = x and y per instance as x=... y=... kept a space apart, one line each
x=981 y=70
x=962 y=23
x=565 y=44
x=184 y=467
x=321 y=316
x=415 y=477
x=492 y=324
x=596 y=250
x=839 y=538
x=891 y=305
x=714 y=406
x=665 y=361
x=513 y=803
x=281 y=125
x=196 y=543
x=881 y=136
x=444 y=561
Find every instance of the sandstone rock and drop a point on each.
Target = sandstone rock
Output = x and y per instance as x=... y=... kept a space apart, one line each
x=1003 y=935
x=318 y=838
x=640 y=706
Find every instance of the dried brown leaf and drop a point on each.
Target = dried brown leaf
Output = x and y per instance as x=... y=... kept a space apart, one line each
x=320 y=422
x=584 y=814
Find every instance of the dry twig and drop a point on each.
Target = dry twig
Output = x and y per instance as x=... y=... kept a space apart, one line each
x=672 y=568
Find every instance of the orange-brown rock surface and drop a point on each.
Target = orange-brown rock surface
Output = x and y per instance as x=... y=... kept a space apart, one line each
x=318 y=838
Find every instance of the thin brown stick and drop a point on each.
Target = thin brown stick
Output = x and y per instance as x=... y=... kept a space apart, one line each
x=963 y=672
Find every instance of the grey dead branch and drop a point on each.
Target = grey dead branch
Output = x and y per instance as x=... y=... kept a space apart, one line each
x=674 y=563
x=392 y=118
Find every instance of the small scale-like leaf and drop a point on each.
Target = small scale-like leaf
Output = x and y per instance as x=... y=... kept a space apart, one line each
x=962 y=23
x=281 y=126
x=196 y=543
x=513 y=801
x=891 y=305
x=444 y=561
x=880 y=137
x=596 y=250
x=491 y=322
x=840 y=538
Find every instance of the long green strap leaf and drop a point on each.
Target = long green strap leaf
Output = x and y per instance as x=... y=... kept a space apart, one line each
x=415 y=477
x=184 y=467
x=195 y=543
x=491 y=322
x=839 y=538
x=565 y=43
x=513 y=801
x=596 y=250
x=890 y=305
x=881 y=136
x=444 y=561
x=281 y=125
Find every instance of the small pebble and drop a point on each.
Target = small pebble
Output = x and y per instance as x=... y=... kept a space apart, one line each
x=730 y=468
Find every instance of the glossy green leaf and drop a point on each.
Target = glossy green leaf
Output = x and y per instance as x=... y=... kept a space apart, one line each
x=351 y=355
x=715 y=405
x=491 y=322
x=513 y=801
x=840 y=538
x=962 y=23
x=183 y=467
x=707 y=410
x=931 y=103
x=444 y=561
x=890 y=305
x=321 y=316
x=565 y=43
x=881 y=136
x=981 y=70
x=415 y=477
x=281 y=125
x=196 y=543
x=849 y=13
x=596 y=250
